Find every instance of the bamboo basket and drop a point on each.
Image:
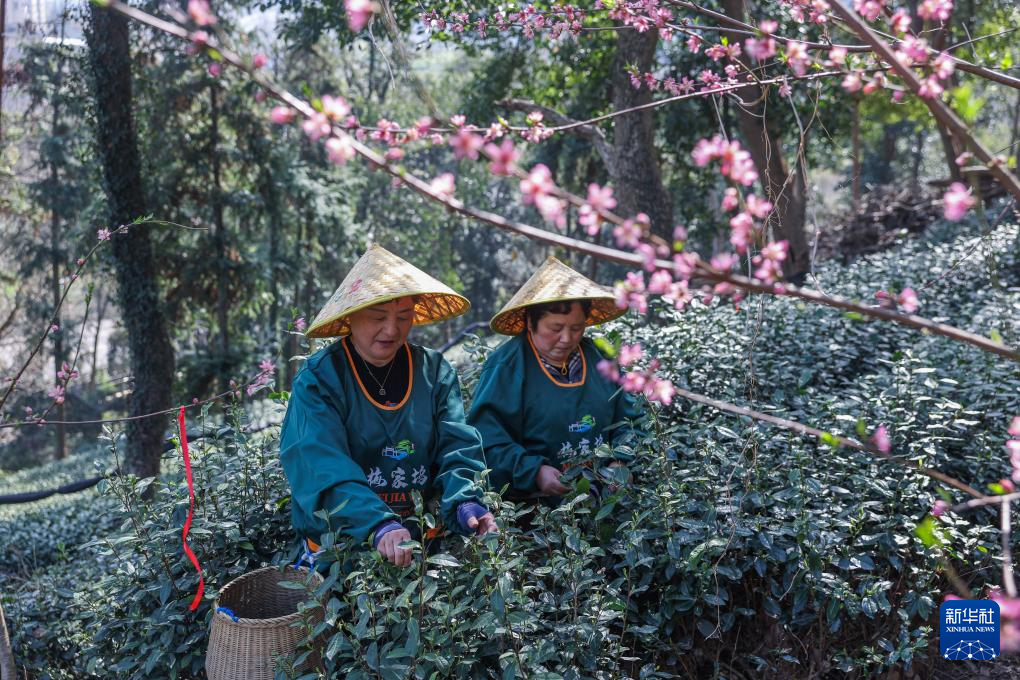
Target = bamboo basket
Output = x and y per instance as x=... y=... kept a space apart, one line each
x=268 y=625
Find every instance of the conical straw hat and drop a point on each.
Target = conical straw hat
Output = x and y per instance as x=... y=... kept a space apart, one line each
x=380 y=276
x=556 y=282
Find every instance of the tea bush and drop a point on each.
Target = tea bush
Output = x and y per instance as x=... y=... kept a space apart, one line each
x=736 y=550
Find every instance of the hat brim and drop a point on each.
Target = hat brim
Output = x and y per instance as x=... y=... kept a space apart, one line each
x=512 y=321
x=430 y=308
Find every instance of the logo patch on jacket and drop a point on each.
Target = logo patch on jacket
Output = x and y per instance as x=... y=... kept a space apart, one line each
x=403 y=449
x=585 y=424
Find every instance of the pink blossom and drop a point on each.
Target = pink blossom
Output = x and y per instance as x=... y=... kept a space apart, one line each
x=466 y=144
x=103 y=234
x=215 y=69
x=758 y=207
x=630 y=353
x=760 y=49
x=661 y=391
x=914 y=49
x=628 y=234
x=935 y=9
x=443 y=185
x=339 y=150
x=684 y=265
x=503 y=157
x=57 y=393
x=939 y=508
x=869 y=9
x=552 y=209
x=282 y=115
x=259 y=60
x=715 y=52
x=679 y=234
x=300 y=324
x=930 y=88
x=880 y=438
x=200 y=13
x=267 y=366
x=609 y=370
x=601 y=198
x=54 y=328
x=393 y=154
x=797 y=57
x=724 y=262
x=659 y=283
x=963 y=158
x=647 y=253
x=358 y=13
x=768 y=26
x=777 y=251
x=335 y=108
x=767 y=270
x=900 y=21
x=730 y=200
x=679 y=295
x=534 y=118
x=538 y=183
x=852 y=82
x=694 y=43
x=1014 y=427
x=944 y=66
x=837 y=55
x=785 y=90
x=634 y=381
x=957 y=201
x=907 y=299
x=317 y=126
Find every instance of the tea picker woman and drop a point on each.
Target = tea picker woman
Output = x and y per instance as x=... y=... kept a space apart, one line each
x=540 y=398
x=372 y=417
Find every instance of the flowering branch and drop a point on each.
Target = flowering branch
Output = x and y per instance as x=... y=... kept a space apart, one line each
x=940 y=110
x=831 y=439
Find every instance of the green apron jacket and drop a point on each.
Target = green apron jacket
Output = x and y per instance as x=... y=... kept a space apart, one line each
x=337 y=444
x=528 y=420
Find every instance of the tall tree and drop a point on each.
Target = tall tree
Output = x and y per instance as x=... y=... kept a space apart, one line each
x=635 y=167
x=152 y=359
x=786 y=188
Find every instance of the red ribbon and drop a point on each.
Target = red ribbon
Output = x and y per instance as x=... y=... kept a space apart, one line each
x=191 y=509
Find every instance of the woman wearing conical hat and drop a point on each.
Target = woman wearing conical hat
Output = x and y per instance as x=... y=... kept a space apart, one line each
x=372 y=417
x=540 y=398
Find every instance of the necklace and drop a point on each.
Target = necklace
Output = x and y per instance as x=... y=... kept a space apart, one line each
x=382 y=389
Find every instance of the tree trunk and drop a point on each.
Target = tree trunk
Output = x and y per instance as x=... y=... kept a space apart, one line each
x=220 y=246
x=152 y=359
x=636 y=172
x=8 y=671
x=56 y=261
x=855 y=135
x=787 y=191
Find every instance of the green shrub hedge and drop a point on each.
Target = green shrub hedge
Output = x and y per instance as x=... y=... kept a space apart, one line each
x=738 y=550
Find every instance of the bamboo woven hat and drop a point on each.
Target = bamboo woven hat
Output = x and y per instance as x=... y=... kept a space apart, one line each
x=380 y=276
x=556 y=282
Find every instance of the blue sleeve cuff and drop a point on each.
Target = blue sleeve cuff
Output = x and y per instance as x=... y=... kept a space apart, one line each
x=384 y=529
x=467 y=510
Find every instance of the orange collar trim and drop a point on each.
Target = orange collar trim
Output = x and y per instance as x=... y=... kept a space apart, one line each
x=357 y=376
x=584 y=366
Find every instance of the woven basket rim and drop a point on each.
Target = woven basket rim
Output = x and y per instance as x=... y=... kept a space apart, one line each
x=275 y=622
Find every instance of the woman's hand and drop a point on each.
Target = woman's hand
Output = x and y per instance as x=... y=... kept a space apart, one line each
x=476 y=517
x=388 y=547
x=548 y=481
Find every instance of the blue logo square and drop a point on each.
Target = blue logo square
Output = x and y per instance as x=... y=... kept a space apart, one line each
x=969 y=630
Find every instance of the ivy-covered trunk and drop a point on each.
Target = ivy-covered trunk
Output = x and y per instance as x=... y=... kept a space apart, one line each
x=636 y=172
x=152 y=359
